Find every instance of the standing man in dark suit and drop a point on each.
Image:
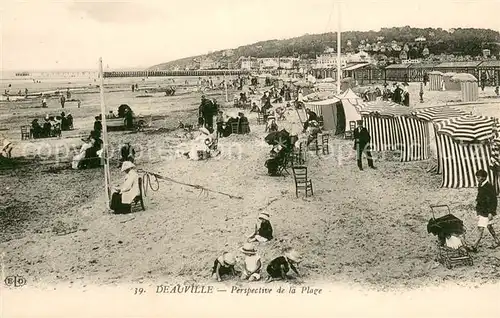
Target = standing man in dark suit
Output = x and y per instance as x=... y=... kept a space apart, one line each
x=361 y=145
x=486 y=207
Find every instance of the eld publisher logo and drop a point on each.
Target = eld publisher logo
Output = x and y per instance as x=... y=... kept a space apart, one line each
x=15 y=281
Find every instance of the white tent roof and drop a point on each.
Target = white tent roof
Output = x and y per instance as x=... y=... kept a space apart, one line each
x=330 y=101
x=350 y=111
x=349 y=94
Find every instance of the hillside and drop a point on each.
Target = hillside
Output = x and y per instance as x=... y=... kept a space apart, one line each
x=461 y=42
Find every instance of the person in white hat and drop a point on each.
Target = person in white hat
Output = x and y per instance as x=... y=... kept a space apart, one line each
x=253 y=264
x=280 y=266
x=6 y=148
x=224 y=265
x=263 y=229
x=122 y=198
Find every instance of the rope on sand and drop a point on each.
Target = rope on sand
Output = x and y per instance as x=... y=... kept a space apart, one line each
x=203 y=190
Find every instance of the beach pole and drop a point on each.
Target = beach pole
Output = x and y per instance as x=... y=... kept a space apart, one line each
x=225 y=86
x=104 y=135
x=339 y=47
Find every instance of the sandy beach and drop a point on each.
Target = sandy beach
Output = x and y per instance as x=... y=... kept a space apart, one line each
x=362 y=227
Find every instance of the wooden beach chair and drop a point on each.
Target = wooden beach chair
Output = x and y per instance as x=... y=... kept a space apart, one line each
x=349 y=134
x=301 y=180
x=25 y=132
x=140 y=198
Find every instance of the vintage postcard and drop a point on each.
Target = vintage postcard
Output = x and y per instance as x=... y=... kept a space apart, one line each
x=275 y=158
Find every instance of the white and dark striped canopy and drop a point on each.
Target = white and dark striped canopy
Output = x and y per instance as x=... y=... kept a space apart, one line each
x=384 y=108
x=439 y=113
x=469 y=128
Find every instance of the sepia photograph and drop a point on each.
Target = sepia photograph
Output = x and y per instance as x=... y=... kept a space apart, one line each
x=320 y=158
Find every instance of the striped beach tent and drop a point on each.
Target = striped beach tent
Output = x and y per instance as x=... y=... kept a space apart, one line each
x=465 y=143
x=432 y=115
x=469 y=128
x=394 y=127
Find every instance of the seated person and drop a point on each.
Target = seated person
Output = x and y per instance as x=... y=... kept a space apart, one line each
x=263 y=229
x=69 y=121
x=280 y=266
x=36 y=129
x=243 y=124
x=312 y=132
x=122 y=198
x=310 y=117
x=243 y=98
x=79 y=159
x=278 y=154
x=273 y=126
x=47 y=128
x=228 y=130
x=202 y=146
x=224 y=265
x=127 y=153
x=255 y=108
x=6 y=148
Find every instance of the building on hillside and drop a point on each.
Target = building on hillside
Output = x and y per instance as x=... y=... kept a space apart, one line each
x=288 y=63
x=248 y=63
x=420 y=39
x=209 y=64
x=268 y=63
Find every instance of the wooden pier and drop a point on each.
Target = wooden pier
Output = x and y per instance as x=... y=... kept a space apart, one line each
x=174 y=73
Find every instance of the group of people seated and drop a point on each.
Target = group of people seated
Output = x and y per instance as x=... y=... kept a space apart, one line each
x=225 y=128
x=52 y=126
x=398 y=94
x=90 y=153
x=204 y=146
x=283 y=145
x=251 y=267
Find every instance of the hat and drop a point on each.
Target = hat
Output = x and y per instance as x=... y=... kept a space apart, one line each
x=248 y=249
x=264 y=216
x=229 y=258
x=127 y=165
x=294 y=256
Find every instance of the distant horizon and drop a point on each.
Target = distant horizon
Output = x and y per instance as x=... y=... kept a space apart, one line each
x=135 y=34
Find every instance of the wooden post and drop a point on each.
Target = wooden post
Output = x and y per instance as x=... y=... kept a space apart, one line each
x=339 y=47
x=104 y=137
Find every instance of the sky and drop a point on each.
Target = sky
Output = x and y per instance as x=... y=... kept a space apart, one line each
x=50 y=35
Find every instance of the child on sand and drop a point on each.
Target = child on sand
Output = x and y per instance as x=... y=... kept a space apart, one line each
x=279 y=267
x=224 y=265
x=253 y=264
x=263 y=229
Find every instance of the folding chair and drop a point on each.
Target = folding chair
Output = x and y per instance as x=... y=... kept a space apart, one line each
x=245 y=128
x=324 y=144
x=349 y=134
x=25 y=132
x=314 y=145
x=234 y=128
x=140 y=198
x=301 y=181
x=260 y=119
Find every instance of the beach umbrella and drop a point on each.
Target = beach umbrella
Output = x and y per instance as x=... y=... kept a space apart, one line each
x=468 y=128
x=384 y=108
x=438 y=113
x=464 y=77
x=277 y=137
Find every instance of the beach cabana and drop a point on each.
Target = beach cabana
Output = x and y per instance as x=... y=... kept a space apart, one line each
x=450 y=85
x=337 y=113
x=435 y=81
x=433 y=115
x=468 y=86
x=380 y=120
x=465 y=143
